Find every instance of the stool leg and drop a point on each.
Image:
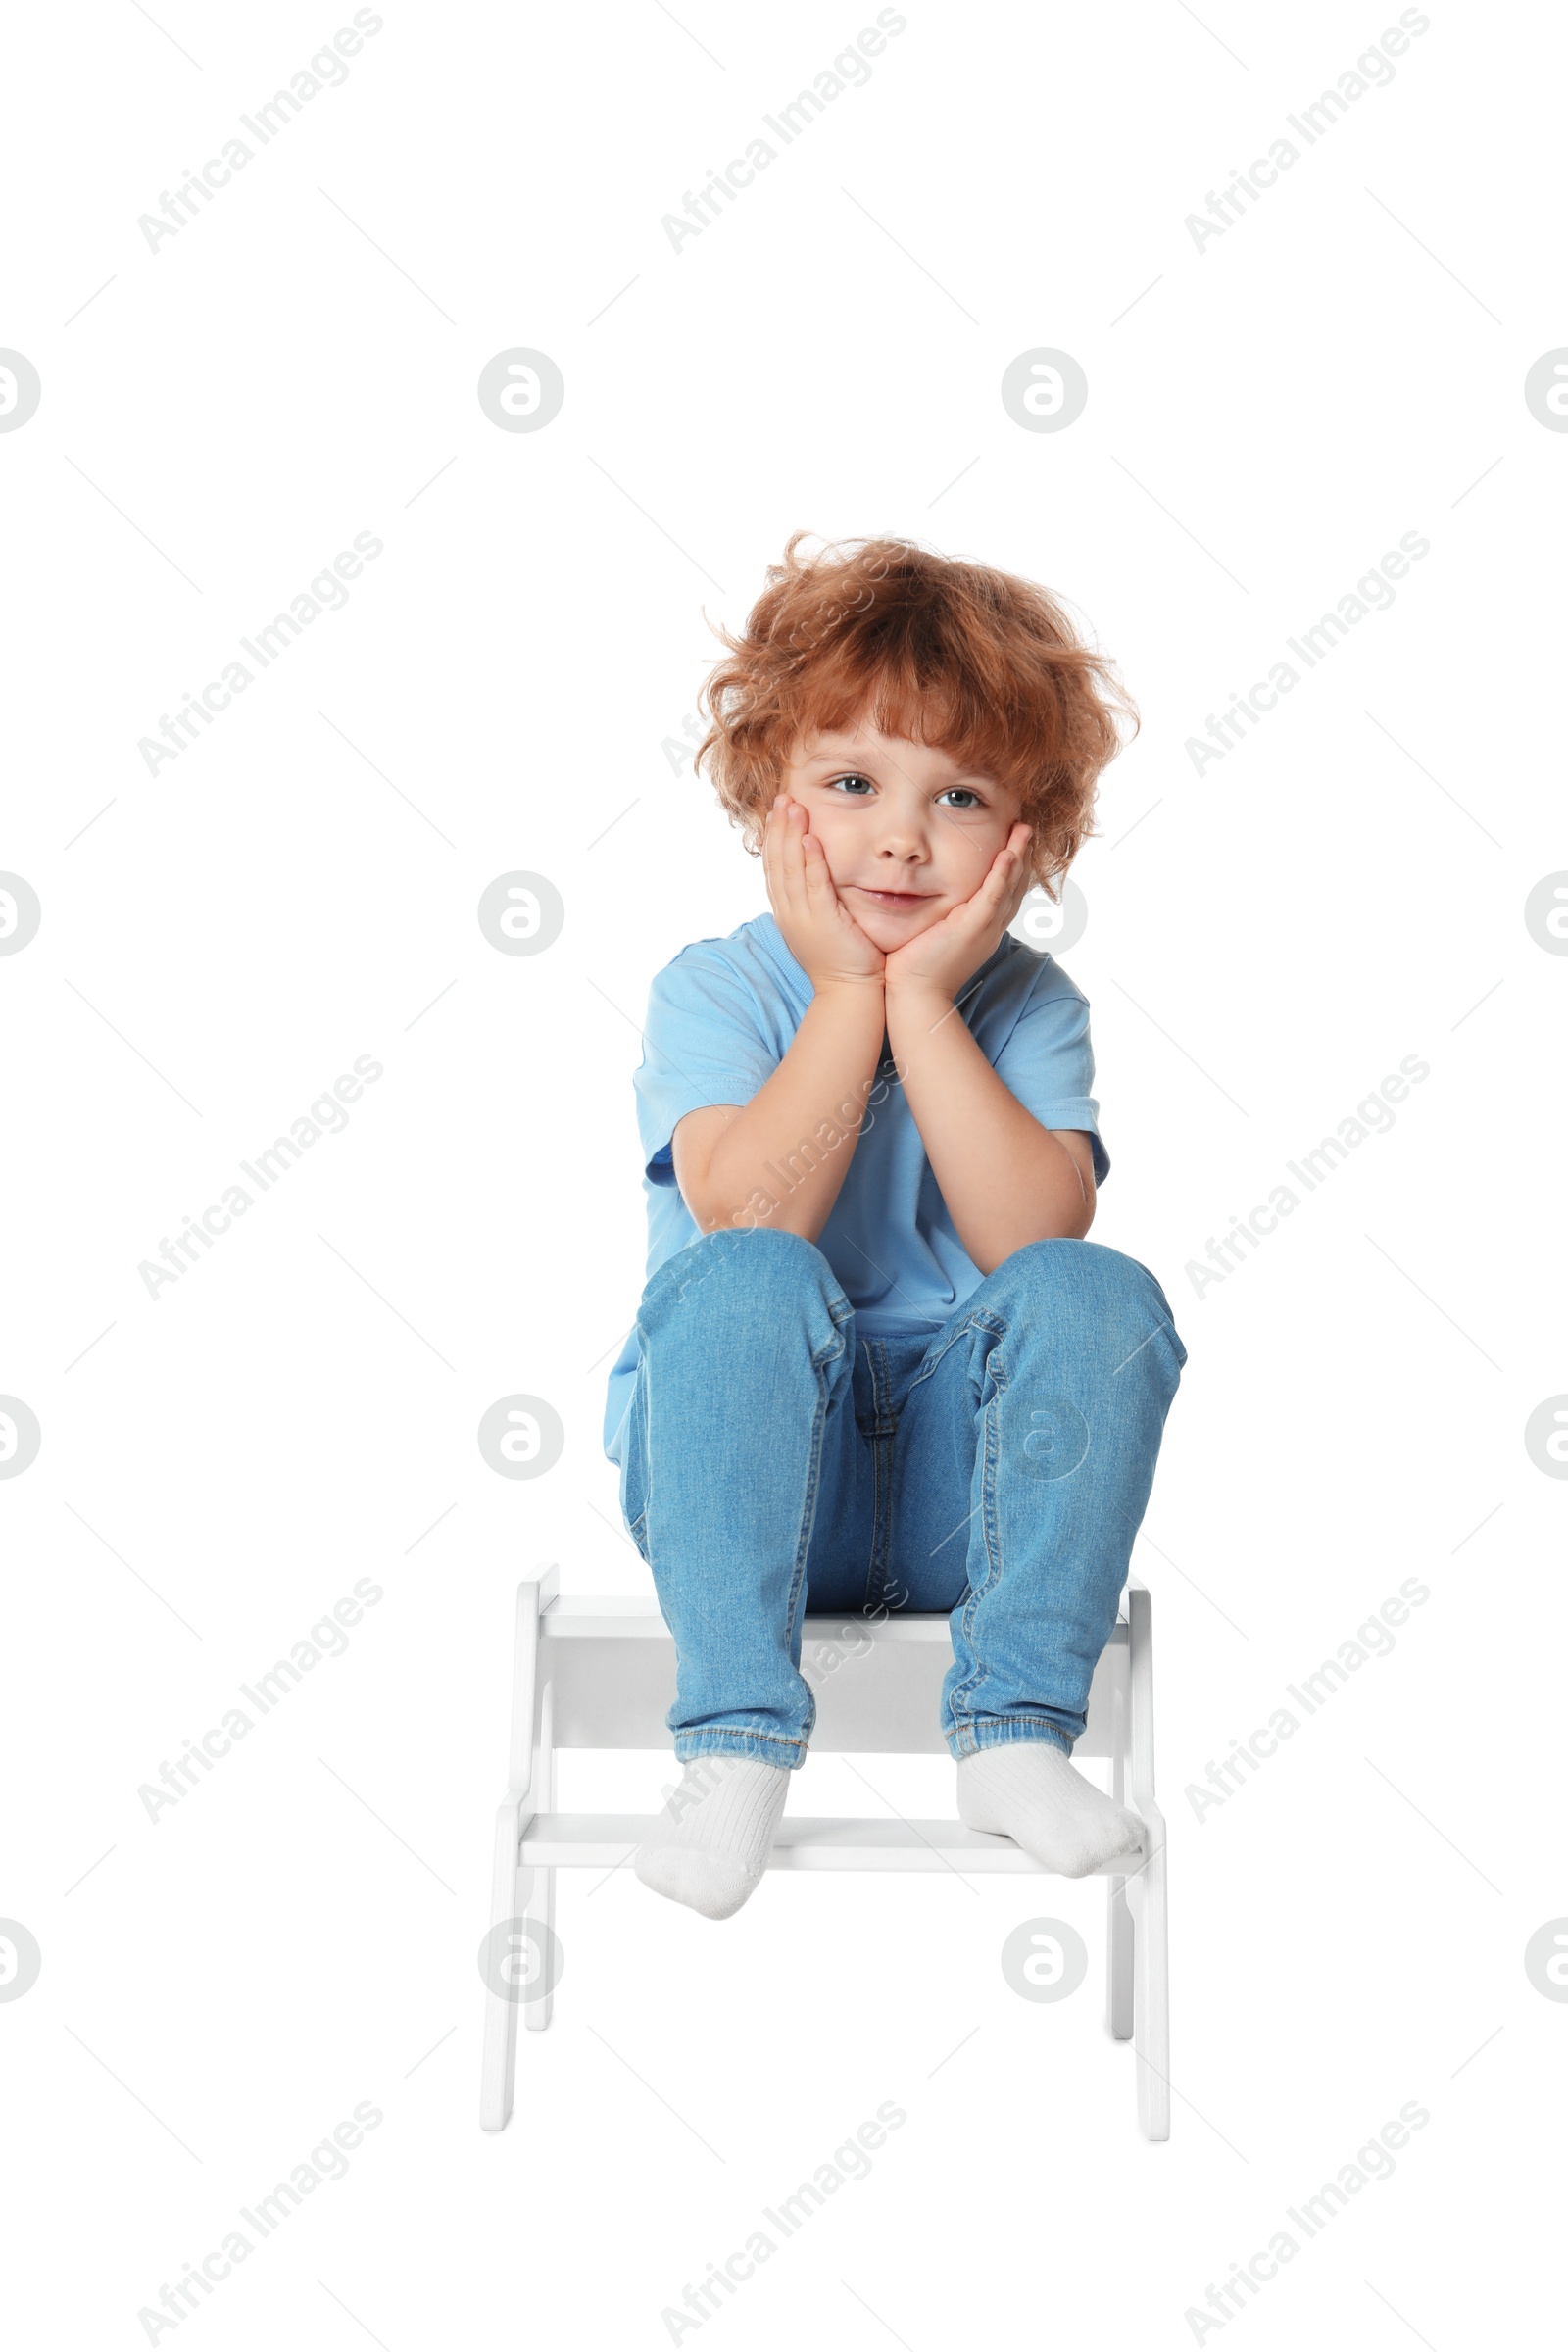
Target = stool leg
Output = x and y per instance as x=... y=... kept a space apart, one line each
x=1118 y=1918
x=1151 y=1993
x=541 y=1911
x=1146 y=1890
x=1119 y=1963
x=498 y=2071
x=540 y=1907
x=514 y=1893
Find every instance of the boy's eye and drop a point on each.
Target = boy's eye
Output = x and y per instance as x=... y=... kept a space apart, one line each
x=965 y=800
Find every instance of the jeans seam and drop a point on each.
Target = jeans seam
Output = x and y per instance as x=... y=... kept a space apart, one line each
x=1040 y=1722
x=730 y=1731
x=991 y=1533
x=809 y=1513
x=882 y=1472
x=982 y=1317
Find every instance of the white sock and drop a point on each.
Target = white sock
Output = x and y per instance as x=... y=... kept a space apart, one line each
x=710 y=1846
x=1029 y=1792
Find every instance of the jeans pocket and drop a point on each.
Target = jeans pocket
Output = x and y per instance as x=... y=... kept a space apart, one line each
x=937 y=1349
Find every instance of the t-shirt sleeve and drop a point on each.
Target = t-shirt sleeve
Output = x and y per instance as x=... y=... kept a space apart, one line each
x=705 y=1041
x=1048 y=1064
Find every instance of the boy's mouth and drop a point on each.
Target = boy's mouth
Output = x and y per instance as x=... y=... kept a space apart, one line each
x=895 y=900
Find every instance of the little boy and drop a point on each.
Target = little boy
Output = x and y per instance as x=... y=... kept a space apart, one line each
x=875 y=1355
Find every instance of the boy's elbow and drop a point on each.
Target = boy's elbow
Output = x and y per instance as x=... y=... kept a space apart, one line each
x=1049 y=1229
x=693 y=1148
x=711 y=1212
x=715 y=1207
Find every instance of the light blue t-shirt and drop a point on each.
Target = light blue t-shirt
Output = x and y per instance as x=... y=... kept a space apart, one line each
x=721 y=1016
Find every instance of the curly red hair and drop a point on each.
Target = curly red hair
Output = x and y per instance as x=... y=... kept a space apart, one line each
x=974 y=662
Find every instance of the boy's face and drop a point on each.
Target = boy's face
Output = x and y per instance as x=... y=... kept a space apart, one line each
x=908 y=833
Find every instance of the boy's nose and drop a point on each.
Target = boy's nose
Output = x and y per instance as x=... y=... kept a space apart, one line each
x=903 y=844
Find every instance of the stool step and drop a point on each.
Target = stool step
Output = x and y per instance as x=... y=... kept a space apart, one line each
x=600 y=1841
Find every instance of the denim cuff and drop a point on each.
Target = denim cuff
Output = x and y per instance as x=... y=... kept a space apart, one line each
x=788 y=1753
x=1003 y=1731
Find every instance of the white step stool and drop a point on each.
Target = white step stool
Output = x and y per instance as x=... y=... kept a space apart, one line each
x=594 y=1672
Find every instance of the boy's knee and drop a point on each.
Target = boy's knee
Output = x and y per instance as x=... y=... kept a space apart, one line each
x=1060 y=1264
x=772 y=1269
x=767 y=1257
x=1058 y=1260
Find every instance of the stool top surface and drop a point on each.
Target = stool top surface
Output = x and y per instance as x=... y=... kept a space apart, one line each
x=622 y=1616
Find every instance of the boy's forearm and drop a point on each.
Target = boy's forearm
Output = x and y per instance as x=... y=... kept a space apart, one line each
x=1004 y=1178
x=783 y=1158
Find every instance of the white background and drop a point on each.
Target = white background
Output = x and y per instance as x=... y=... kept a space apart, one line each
x=1266 y=416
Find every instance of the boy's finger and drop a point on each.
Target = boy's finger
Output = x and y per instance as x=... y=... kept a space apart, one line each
x=784 y=886
x=793 y=853
x=1016 y=886
x=816 y=865
x=770 y=872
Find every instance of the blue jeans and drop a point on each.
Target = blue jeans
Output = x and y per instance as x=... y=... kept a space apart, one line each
x=997 y=1468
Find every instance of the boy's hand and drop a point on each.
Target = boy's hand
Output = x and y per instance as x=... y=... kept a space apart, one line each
x=940 y=960
x=819 y=931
